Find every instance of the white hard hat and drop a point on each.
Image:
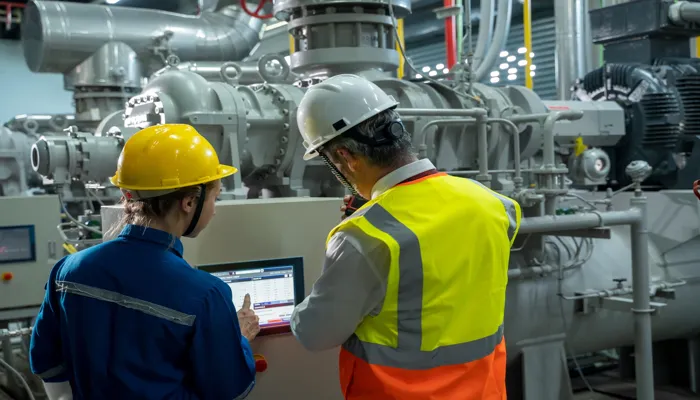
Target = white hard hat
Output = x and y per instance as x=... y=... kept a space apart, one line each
x=335 y=105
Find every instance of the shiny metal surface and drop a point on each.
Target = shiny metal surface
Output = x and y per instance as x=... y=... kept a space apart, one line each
x=571 y=56
x=114 y=64
x=58 y=36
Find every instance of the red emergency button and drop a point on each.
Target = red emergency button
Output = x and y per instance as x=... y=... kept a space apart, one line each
x=260 y=363
x=7 y=276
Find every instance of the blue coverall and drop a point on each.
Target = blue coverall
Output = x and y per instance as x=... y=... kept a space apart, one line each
x=131 y=319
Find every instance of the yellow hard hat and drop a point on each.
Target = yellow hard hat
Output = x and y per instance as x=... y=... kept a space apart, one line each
x=167 y=157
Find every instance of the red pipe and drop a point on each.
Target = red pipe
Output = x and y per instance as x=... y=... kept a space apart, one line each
x=450 y=36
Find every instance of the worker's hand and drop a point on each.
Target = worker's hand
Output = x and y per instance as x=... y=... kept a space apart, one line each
x=249 y=322
x=350 y=205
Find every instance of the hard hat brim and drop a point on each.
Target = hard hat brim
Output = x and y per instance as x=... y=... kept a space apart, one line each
x=222 y=171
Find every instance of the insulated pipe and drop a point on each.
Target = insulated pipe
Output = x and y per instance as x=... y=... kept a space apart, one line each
x=486 y=17
x=58 y=36
x=505 y=8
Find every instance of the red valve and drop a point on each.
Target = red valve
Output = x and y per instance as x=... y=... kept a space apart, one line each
x=696 y=188
x=260 y=363
x=7 y=276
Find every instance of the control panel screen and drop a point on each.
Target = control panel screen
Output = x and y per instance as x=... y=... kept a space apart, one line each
x=17 y=244
x=274 y=286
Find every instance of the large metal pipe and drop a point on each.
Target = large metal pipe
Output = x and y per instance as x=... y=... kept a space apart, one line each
x=58 y=36
x=570 y=53
x=487 y=15
x=684 y=12
x=500 y=37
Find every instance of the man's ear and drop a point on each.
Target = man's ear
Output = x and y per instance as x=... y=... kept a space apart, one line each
x=347 y=157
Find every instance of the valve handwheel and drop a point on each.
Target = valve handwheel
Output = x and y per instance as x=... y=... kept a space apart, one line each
x=696 y=188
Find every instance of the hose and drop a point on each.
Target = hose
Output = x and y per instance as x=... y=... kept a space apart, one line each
x=19 y=376
x=505 y=8
x=487 y=16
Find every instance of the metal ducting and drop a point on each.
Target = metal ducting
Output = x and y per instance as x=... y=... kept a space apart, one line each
x=58 y=36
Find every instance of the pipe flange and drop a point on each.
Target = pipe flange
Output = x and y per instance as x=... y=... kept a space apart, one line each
x=272 y=77
x=230 y=73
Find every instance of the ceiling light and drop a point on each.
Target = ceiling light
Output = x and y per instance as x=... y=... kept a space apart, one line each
x=446 y=71
x=522 y=63
x=512 y=70
x=440 y=66
x=432 y=73
x=522 y=50
x=503 y=66
x=495 y=73
x=504 y=53
x=532 y=73
x=426 y=69
x=111 y=1
x=495 y=80
x=418 y=76
x=510 y=58
x=532 y=67
x=512 y=77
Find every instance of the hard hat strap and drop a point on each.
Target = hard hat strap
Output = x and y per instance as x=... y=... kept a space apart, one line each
x=339 y=175
x=198 y=211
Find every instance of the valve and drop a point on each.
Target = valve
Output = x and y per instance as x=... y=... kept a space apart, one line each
x=620 y=282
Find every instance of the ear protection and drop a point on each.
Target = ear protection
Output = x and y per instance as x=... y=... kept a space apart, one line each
x=383 y=136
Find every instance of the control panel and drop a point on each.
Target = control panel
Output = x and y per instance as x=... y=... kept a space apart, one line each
x=29 y=247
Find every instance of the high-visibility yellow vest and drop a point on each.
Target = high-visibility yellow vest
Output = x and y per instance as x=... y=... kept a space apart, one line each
x=449 y=240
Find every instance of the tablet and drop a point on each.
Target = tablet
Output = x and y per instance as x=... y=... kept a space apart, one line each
x=275 y=287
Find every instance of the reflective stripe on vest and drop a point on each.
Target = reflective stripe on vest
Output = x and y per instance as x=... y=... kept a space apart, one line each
x=407 y=354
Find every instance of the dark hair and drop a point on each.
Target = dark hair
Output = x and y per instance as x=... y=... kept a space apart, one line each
x=391 y=155
x=143 y=211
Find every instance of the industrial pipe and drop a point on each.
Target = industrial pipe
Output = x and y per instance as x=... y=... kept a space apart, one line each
x=58 y=36
x=643 y=360
x=401 y=44
x=527 y=30
x=505 y=9
x=553 y=223
x=682 y=12
x=486 y=17
x=450 y=46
